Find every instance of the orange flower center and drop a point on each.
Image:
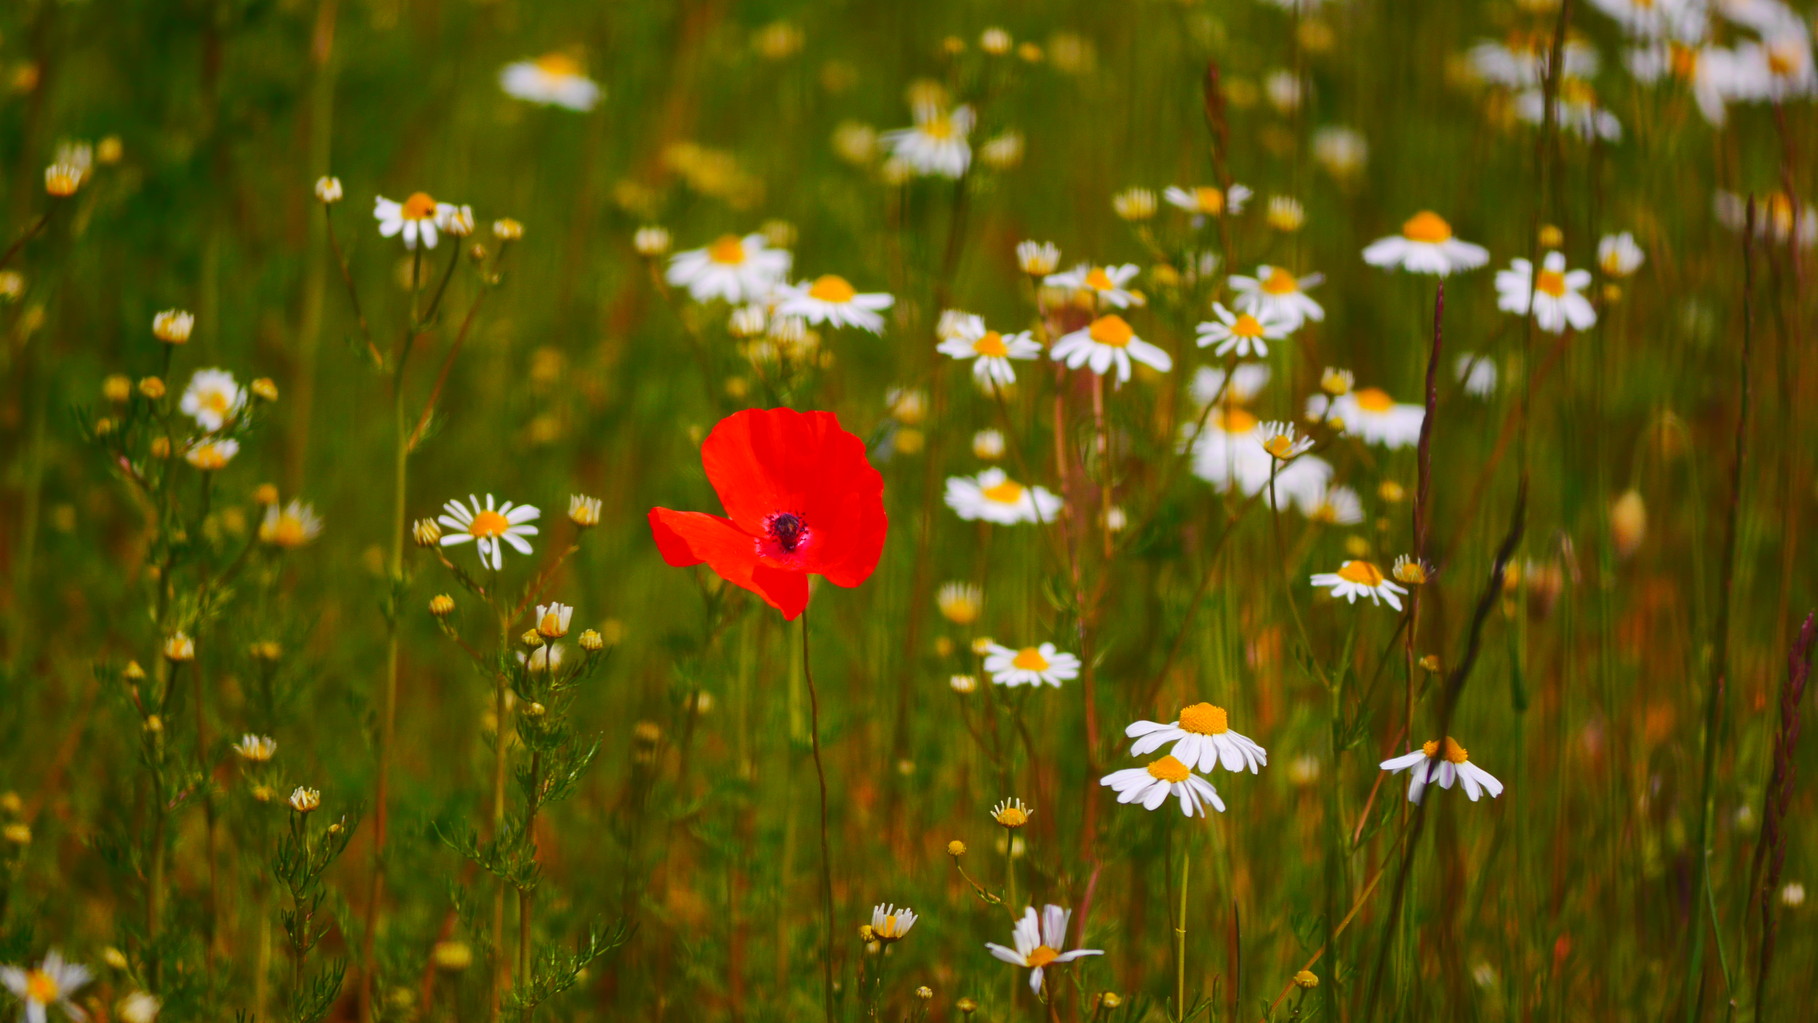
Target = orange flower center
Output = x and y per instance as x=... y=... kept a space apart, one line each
x=1098 y=280
x=1280 y=282
x=1551 y=282
x=1427 y=226
x=288 y=531
x=1361 y=572
x=1247 y=326
x=40 y=987
x=1210 y=200
x=1374 y=399
x=1236 y=420
x=1111 y=330
x=1030 y=659
x=832 y=288
x=1204 y=719
x=889 y=928
x=1042 y=956
x=1007 y=492
x=560 y=65
x=1169 y=770
x=419 y=206
x=1454 y=752
x=992 y=344
x=727 y=250
x=489 y=523
x=1684 y=60
x=1280 y=445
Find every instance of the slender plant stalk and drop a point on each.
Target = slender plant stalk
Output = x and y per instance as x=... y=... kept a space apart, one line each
x=820 y=773
x=1180 y=939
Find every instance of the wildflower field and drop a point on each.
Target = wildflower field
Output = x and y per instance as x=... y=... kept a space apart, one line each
x=790 y=510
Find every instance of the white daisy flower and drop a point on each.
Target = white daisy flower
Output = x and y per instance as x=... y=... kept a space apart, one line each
x=1037 y=259
x=1429 y=766
x=1276 y=291
x=1618 y=255
x=256 y=749
x=889 y=923
x=1038 y=942
x=733 y=268
x=936 y=146
x=417 y=218
x=1361 y=579
x=1106 y=284
x=211 y=455
x=1247 y=381
x=1776 y=217
x=992 y=496
x=1207 y=200
x=1279 y=440
x=212 y=398
x=832 y=300
x=990 y=351
x=1245 y=334
x=291 y=526
x=1228 y=452
x=1371 y=414
x=1425 y=246
x=1714 y=75
x=51 y=982
x=1163 y=777
x=1477 y=372
x=553 y=620
x=489 y=527
x=1656 y=19
x=1030 y=666
x=1575 y=109
x=1336 y=506
x=1558 y=293
x=1202 y=738
x=1107 y=342
x=1521 y=62
x=554 y=79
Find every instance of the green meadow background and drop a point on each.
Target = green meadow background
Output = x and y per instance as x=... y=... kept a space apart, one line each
x=1575 y=895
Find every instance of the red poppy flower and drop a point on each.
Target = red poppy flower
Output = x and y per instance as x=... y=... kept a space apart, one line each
x=800 y=498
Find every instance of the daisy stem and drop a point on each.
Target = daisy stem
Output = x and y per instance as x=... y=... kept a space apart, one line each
x=1180 y=939
x=814 y=735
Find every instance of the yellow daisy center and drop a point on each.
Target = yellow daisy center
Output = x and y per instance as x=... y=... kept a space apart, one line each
x=727 y=250
x=1454 y=752
x=1280 y=282
x=889 y=928
x=488 y=524
x=1247 y=326
x=1236 y=420
x=208 y=456
x=1551 y=282
x=1012 y=817
x=1427 y=226
x=1374 y=399
x=1782 y=60
x=419 y=207
x=215 y=401
x=940 y=128
x=1169 y=770
x=1029 y=659
x=288 y=531
x=1361 y=572
x=1204 y=719
x=1042 y=956
x=1280 y=445
x=1007 y=492
x=1098 y=280
x=1684 y=60
x=1210 y=200
x=40 y=987
x=832 y=288
x=559 y=64
x=992 y=344
x=1111 y=330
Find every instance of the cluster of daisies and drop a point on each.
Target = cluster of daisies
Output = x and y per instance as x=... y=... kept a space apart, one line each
x=752 y=275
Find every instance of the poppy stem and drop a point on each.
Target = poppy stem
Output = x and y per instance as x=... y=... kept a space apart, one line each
x=820 y=773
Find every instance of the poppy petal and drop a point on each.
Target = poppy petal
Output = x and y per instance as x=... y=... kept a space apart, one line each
x=691 y=538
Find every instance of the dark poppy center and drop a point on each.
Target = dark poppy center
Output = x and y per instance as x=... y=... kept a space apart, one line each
x=787 y=529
